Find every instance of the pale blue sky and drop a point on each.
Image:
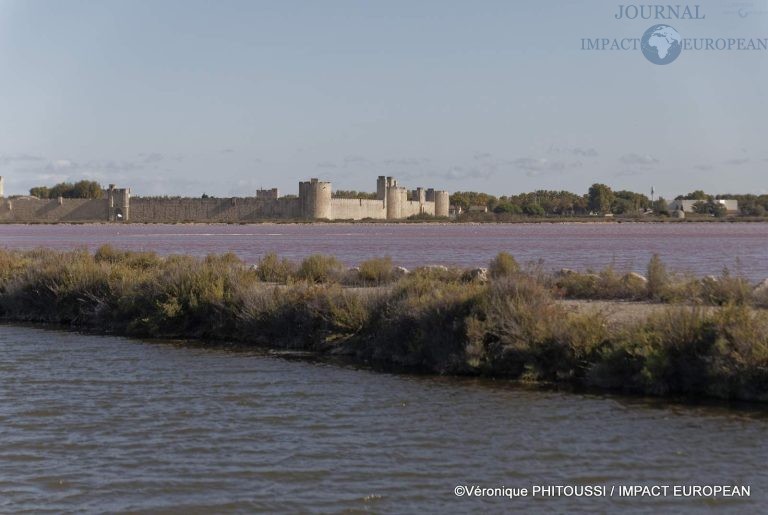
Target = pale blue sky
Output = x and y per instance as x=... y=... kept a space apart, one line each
x=186 y=97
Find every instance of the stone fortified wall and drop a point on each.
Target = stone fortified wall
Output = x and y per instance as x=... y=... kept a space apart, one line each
x=315 y=202
x=213 y=210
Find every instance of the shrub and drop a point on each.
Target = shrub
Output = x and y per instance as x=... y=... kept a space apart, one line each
x=421 y=323
x=376 y=271
x=510 y=322
x=430 y=320
x=140 y=260
x=503 y=265
x=578 y=285
x=318 y=268
x=725 y=289
x=658 y=278
x=608 y=284
x=760 y=295
x=272 y=269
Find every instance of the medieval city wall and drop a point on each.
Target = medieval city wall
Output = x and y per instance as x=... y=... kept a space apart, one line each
x=25 y=210
x=169 y=210
x=414 y=207
x=315 y=202
x=357 y=209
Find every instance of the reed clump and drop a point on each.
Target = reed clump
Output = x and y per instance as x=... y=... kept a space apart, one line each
x=376 y=272
x=318 y=268
x=711 y=340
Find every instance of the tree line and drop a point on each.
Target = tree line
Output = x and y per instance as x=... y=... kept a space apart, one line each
x=80 y=189
x=600 y=199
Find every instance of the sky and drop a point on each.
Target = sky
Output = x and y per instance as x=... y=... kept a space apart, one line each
x=190 y=97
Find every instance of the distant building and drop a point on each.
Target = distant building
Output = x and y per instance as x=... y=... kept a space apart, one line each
x=478 y=209
x=686 y=206
x=270 y=194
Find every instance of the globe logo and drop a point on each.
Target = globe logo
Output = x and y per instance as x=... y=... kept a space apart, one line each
x=661 y=44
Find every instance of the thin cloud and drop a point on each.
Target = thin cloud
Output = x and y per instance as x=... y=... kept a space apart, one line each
x=585 y=152
x=704 y=168
x=153 y=157
x=456 y=173
x=542 y=165
x=354 y=160
x=406 y=161
x=60 y=164
x=575 y=151
x=479 y=156
x=326 y=164
x=7 y=159
x=637 y=159
x=738 y=161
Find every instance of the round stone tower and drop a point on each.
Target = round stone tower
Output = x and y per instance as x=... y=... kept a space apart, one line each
x=442 y=203
x=394 y=203
x=316 y=199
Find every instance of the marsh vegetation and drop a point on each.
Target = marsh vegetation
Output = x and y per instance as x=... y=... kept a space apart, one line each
x=710 y=338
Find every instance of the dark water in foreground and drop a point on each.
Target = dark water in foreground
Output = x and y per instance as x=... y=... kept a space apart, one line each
x=699 y=248
x=110 y=424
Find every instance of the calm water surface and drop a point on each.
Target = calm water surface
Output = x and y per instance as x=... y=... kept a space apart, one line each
x=90 y=423
x=700 y=248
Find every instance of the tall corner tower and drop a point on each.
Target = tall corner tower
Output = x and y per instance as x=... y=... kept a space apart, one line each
x=315 y=196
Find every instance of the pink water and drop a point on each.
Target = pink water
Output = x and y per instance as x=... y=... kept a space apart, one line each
x=700 y=248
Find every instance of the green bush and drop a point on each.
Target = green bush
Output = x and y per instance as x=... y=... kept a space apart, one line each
x=318 y=268
x=429 y=320
x=725 y=289
x=658 y=278
x=503 y=265
x=608 y=284
x=272 y=269
x=376 y=271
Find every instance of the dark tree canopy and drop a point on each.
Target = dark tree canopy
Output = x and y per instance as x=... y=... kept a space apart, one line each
x=354 y=194
x=601 y=198
x=80 y=189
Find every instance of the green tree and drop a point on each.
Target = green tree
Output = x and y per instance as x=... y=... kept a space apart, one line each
x=632 y=202
x=719 y=210
x=700 y=207
x=354 y=194
x=87 y=189
x=622 y=206
x=601 y=198
x=697 y=195
x=507 y=207
x=40 y=192
x=464 y=199
x=533 y=210
x=80 y=189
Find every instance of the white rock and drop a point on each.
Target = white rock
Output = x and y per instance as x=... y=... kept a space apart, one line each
x=634 y=276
